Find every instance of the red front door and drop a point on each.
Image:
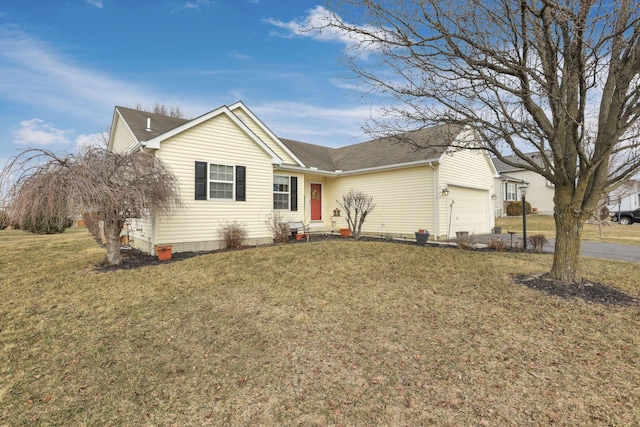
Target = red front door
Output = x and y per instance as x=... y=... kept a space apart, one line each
x=316 y=202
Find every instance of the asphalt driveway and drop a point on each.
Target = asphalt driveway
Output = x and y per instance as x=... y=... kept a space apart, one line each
x=611 y=251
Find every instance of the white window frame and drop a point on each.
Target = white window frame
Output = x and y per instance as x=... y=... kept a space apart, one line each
x=231 y=182
x=511 y=196
x=280 y=193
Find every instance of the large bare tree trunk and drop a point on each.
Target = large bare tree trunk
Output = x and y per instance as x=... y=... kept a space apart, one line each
x=569 y=220
x=567 y=263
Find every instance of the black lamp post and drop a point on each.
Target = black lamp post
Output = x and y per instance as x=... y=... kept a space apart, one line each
x=523 y=191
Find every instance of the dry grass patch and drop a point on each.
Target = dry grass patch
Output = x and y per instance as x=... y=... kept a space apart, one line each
x=325 y=333
x=544 y=224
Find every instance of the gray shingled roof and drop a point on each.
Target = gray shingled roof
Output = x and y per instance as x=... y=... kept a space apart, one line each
x=137 y=121
x=503 y=167
x=378 y=152
x=311 y=155
x=371 y=154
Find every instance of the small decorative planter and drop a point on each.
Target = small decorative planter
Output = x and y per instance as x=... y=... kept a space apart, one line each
x=421 y=237
x=300 y=236
x=497 y=230
x=164 y=252
x=345 y=232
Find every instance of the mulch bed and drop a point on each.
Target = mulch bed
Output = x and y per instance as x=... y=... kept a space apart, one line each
x=591 y=292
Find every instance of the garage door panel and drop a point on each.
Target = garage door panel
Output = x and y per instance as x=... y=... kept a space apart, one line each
x=469 y=209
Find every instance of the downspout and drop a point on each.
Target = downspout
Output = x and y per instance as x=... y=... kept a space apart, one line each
x=436 y=204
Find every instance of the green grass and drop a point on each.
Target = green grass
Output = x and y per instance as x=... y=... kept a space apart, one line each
x=544 y=224
x=324 y=333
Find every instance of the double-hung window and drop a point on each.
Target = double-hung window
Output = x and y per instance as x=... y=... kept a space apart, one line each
x=285 y=192
x=220 y=181
x=281 y=192
x=214 y=181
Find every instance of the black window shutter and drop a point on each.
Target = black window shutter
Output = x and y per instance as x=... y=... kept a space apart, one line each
x=241 y=183
x=294 y=193
x=201 y=181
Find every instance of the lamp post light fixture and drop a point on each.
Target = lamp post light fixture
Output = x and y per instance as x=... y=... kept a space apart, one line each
x=523 y=191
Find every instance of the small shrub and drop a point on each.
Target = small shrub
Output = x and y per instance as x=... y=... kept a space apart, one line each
x=497 y=245
x=537 y=242
x=464 y=241
x=41 y=226
x=5 y=220
x=278 y=227
x=604 y=213
x=515 y=208
x=233 y=234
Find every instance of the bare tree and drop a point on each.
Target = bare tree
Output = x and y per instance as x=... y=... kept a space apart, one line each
x=357 y=205
x=529 y=75
x=162 y=109
x=111 y=187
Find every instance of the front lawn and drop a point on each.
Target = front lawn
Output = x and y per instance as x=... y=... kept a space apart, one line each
x=319 y=333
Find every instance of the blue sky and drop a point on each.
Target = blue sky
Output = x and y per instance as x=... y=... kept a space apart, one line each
x=65 y=64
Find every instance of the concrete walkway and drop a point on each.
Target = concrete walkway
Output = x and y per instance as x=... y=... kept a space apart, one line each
x=611 y=251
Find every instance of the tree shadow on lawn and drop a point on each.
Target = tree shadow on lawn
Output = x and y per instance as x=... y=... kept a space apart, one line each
x=590 y=292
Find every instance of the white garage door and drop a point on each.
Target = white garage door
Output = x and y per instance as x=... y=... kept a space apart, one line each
x=469 y=210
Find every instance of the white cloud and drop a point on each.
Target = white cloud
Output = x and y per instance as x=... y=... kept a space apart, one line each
x=196 y=4
x=94 y=139
x=318 y=26
x=35 y=73
x=240 y=56
x=332 y=127
x=37 y=132
x=96 y=3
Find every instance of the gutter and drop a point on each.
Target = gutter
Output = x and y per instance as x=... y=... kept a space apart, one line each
x=339 y=172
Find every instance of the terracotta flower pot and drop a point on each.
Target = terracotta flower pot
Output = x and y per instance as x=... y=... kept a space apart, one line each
x=164 y=252
x=345 y=232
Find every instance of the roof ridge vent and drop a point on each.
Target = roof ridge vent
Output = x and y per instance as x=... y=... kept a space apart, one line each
x=148 y=129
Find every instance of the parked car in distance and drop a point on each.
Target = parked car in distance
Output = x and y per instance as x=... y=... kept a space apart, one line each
x=626 y=217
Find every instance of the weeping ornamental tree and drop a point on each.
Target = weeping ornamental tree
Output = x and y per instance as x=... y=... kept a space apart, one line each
x=557 y=78
x=95 y=183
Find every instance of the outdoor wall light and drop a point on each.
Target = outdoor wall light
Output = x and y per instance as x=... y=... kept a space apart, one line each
x=445 y=191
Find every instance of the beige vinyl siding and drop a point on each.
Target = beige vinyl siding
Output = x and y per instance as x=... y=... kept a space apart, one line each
x=123 y=140
x=257 y=129
x=469 y=176
x=141 y=234
x=539 y=194
x=197 y=225
x=404 y=200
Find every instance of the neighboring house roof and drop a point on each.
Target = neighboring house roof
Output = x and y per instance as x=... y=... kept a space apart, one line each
x=504 y=177
x=378 y=152
x=502 y=167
